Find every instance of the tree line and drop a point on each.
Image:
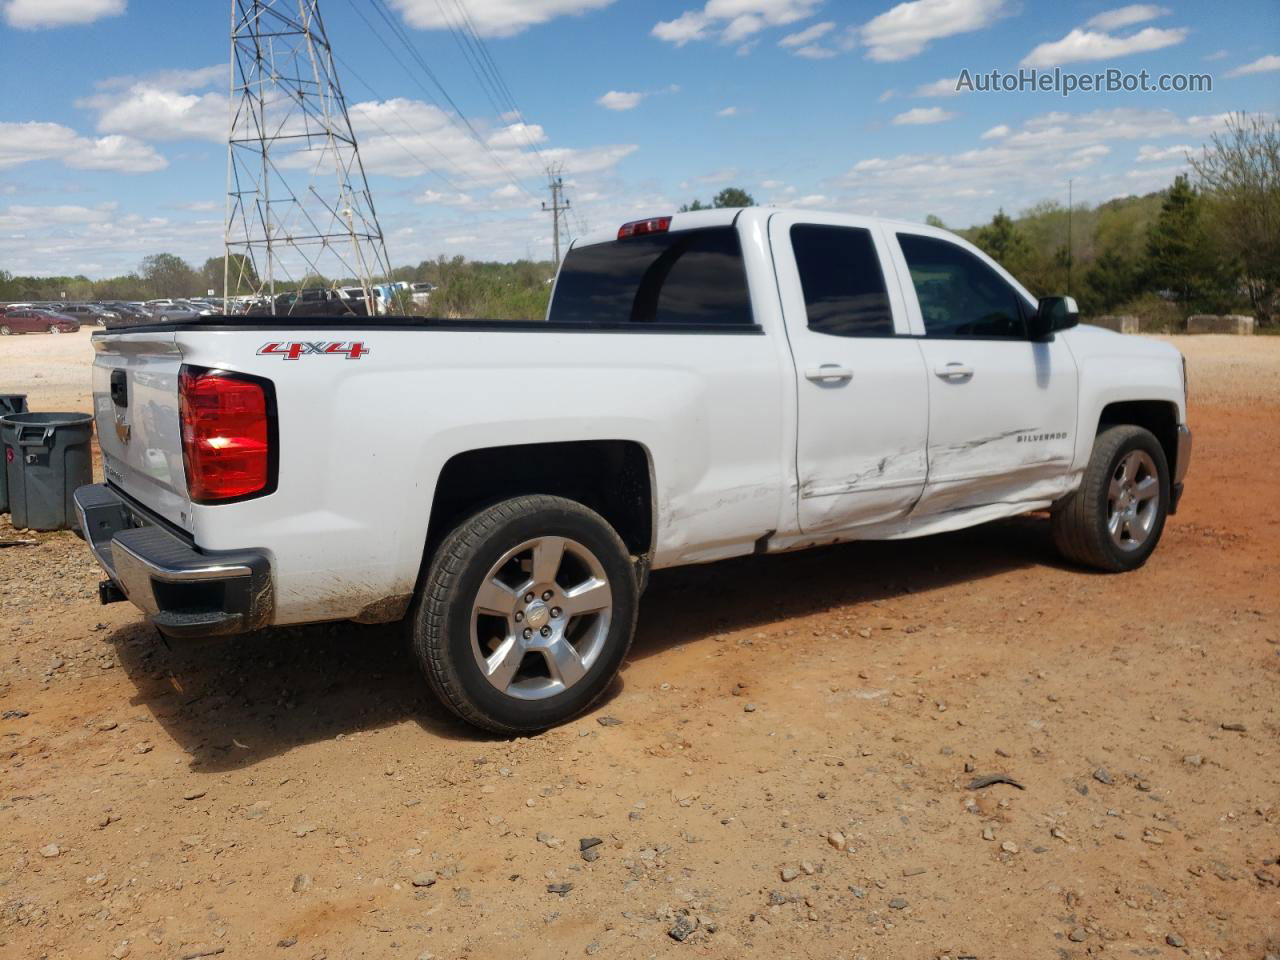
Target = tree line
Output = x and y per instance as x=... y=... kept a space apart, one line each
x=1210 y=243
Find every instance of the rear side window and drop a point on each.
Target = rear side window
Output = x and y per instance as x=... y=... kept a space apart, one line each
x=960 y=295
x=844 y=291
x=684 y=278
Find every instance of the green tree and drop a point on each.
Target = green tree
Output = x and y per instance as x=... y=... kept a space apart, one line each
x=242 y=279
x=168 y=275
x=1003 y=242
x=935 y=221
x=733 y=197
x=728 y=197
x=1112 y=279
x=1239 y=172
x=1179 y=256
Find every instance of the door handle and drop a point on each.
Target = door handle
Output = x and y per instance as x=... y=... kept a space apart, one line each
x=954 y=371
x=828 y=372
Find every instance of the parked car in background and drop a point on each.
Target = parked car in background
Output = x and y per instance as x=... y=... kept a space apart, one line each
x=421 y=292
x=172 y=311
x=89 y=313
x=127 y=311
x=32 y=320
x=199 y=306
x=317 y=302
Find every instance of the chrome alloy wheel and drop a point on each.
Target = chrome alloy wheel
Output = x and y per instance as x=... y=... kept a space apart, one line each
x=1133 y=500
x=540 y=618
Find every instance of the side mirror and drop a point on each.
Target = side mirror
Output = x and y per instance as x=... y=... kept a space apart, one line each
x=1054 y=314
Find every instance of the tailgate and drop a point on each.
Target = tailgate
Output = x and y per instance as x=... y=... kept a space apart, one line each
x=135 y=402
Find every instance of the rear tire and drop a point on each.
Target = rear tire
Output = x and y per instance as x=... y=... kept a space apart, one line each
x=526 y=613
x=1114 y=520
x=53 y=328
x=4 y=330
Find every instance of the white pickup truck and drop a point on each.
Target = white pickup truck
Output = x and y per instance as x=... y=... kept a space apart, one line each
x=704 y=386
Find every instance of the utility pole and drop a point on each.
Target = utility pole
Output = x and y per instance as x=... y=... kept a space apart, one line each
x=1070 y=246
x=556 y=209
x=298 y=202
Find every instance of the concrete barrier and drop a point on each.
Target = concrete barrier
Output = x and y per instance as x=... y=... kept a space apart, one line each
x=1120 y=324
x=1210 y=323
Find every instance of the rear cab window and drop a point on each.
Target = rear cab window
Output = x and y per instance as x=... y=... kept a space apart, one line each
x=844 y=287
x=686 y=278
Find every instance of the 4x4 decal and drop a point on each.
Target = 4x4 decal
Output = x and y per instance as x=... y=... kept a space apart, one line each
x=295 y=350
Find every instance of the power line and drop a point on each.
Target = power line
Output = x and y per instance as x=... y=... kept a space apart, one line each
x=485 y=68
x=398 y=31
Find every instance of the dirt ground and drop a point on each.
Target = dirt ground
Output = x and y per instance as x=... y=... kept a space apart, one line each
x=782 y=770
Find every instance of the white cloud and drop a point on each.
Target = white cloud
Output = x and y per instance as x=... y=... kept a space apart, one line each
x=164 y=105
x=409 y=138
x=34 y=14
x=1262 y=65
x=922 y=116
x=727 y=112
x=24 y=216
x=905 y=30
x=621 y=100
x=733 y=20
x=1217 y=55
x=629 y=100
x=153 y=113
x=997 y=132
x=1151 y=154
x=1126 y=16
x=1092 y=45
x=197 y=78
x=29 y=142
x=815 y=52
x=517 y=135
x=1017 y=167
x=808 y=35
x=946 y=87
x=447 y=199
x=493 y=18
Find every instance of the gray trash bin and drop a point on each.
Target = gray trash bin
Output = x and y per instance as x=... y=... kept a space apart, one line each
x=48 y=456
x=9 y=403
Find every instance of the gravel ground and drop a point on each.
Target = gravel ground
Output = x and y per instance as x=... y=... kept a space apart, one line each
x=789 y=765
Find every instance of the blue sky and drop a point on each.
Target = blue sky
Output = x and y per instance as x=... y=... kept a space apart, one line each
x=113 y=114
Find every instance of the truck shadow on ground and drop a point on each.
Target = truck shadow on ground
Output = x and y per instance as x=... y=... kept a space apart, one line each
x=231 y=703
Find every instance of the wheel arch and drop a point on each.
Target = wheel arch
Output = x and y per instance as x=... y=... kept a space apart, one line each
x=612 y=477
x=1158 y=416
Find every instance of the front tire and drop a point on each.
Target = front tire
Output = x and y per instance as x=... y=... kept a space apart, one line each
x=526 y=613
x=53 y=328
x=4 y=330
x=1114 y=520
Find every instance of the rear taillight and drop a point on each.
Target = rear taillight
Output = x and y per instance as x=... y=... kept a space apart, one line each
x=227 y=434
x=640 y=228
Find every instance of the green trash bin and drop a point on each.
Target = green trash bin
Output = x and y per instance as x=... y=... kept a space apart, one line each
x=48 y=456
x=9 y=403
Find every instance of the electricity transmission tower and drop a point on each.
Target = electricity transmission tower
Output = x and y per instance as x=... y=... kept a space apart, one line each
x=299 y=211
x=556 y=209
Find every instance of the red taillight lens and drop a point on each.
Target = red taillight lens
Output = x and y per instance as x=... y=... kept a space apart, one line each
x=226 y=435
x=638 y=228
